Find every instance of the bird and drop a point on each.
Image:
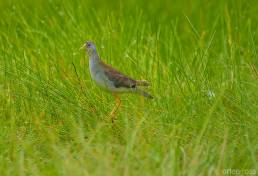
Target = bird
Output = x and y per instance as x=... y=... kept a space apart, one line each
x=111 y=79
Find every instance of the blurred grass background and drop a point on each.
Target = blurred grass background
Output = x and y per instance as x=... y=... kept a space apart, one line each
x=201 y=57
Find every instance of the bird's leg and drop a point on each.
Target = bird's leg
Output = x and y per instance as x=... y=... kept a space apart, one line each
x=118 y=103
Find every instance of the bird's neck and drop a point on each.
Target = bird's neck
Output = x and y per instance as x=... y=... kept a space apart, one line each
x=95 y=57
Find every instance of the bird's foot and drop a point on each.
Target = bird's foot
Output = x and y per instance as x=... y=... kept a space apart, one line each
x=112 y=116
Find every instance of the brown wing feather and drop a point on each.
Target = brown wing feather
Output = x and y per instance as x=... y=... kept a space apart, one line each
x=118 y=78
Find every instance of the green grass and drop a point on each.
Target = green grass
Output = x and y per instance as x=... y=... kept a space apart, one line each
x=201 y=57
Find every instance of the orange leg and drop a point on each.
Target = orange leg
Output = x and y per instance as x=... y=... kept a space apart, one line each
x=113 y=112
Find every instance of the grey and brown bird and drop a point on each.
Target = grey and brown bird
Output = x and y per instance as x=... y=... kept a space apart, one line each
x=112 y=80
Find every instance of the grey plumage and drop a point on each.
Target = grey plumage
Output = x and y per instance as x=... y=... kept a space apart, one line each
x=110 y=78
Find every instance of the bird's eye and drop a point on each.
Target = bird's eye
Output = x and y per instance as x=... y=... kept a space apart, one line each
x=88 y=44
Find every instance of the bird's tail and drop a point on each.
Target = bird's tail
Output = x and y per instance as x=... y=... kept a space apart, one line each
x=143 y=93
x=142 y=83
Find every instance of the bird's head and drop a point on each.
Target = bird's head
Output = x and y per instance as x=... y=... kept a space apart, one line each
x=90 y=48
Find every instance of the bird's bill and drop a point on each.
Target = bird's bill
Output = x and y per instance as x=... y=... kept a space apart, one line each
x=83 y=46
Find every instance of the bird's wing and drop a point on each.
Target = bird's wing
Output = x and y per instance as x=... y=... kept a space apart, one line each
x=118 y=78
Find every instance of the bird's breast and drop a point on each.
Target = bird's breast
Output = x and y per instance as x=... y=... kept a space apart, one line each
x=99 y=76
x=97 y=73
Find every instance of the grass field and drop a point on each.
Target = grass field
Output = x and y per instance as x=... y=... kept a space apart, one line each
x=200 y=56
